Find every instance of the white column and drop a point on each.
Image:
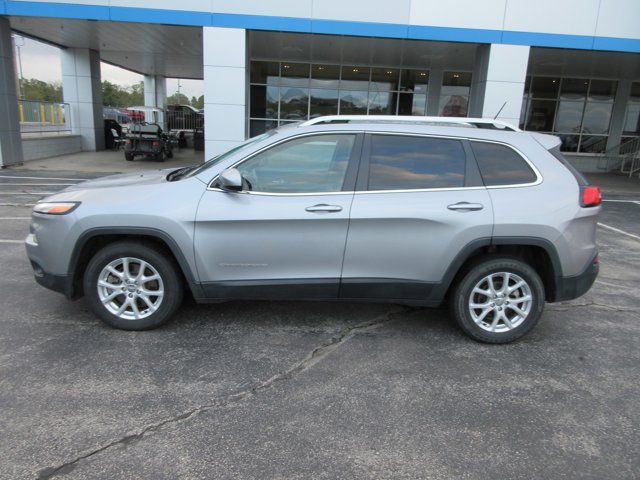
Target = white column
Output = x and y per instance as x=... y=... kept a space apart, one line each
x=498 y=82
x=82 y=90
x=225 y=88
x=435 y=86
x=155 y=91
x=10 y=140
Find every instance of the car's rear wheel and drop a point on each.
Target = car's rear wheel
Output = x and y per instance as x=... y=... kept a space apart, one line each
x=128 y=157
x=131 y=286
x=498 y=300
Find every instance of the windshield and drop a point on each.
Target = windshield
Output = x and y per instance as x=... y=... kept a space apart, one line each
x=227 y=154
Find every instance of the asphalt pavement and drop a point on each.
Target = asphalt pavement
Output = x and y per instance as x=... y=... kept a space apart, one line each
x=316 y=390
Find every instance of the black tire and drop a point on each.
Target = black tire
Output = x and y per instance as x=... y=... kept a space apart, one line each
x=159 y=157
x=170 y=154
x=461 y=298
x=167 y=269
x=128 y=157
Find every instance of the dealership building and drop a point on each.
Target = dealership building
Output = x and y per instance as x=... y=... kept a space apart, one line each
x=567 y=67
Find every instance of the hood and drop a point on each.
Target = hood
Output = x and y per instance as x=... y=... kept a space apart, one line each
x=123 y=180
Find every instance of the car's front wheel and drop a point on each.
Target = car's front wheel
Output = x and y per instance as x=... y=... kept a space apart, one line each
x=498 y=300
x=132 y=286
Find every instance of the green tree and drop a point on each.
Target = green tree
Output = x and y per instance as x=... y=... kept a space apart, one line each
x=33 y=89
x=197 y=102
x=178 y=99
x=117 y=96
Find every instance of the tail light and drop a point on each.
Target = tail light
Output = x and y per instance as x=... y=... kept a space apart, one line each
x=156 y=143
x=127 y=142
x=590 y=196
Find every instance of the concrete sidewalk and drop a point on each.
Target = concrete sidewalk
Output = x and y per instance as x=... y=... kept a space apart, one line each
x=109 y=161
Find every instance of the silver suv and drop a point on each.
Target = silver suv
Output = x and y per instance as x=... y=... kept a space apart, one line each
x=383 y=209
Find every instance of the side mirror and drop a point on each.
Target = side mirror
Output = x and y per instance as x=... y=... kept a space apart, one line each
x=230 y=180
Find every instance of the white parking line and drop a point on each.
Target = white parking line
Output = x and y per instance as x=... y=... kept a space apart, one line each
x=17 y=204
x=27 y=193
x=617 y=230
x=45 y=178
x=15 y=218
x=11 y=241
x=637 y=202
x=35 y=184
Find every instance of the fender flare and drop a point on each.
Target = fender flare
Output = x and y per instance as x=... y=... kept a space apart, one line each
x=155 y=233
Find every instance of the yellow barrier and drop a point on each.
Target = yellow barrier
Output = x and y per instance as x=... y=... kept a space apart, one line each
x=53 y=115
x=43 y=116
x=21 y=112
x=61 y=114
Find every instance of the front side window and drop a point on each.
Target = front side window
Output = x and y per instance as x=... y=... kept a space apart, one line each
x=501 y=165
x=400 y=162
x=304 y=165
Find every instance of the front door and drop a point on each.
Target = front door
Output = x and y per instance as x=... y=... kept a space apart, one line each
x=284 y=234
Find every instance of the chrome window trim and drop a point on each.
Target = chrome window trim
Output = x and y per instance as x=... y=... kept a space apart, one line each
x=539 y=178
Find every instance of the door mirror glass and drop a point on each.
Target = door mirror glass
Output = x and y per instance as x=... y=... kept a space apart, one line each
x=230 y=180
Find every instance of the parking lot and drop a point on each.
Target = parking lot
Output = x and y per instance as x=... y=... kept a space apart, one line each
x=316 y=390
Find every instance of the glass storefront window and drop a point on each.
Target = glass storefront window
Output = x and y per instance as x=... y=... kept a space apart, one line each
x=597 y=117
x=353 y=102
x=577 y=109
x=295 y=74
x=545 y=87
x=292 y=91
x=265 y=72
x=264 y=101
x=354 y=78
x=384 y=79
x=294 y=102
x=323 y=102
x=540 y=115
x=415 y=81
x=325 y=76
x=632 y=115
x=454 y=95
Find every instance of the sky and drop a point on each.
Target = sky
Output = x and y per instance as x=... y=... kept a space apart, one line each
x=42 y=61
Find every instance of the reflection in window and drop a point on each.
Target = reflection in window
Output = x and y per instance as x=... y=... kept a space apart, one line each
x=577 y=109
x=291 y=91
x=454 y=95
x=323 y=102
x=403 y=162
x=311 y=164
x=353 y=103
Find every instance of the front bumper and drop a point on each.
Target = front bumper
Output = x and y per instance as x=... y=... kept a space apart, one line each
x=58 y=283
x=568 y=288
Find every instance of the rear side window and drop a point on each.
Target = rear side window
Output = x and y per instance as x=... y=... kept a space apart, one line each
x=398 y=162
x=501 y=165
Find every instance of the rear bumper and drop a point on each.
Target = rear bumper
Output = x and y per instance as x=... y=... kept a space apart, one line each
x=568 y=288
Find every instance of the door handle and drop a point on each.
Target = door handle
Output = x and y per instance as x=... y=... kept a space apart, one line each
x=465 y=206
x=323 y=207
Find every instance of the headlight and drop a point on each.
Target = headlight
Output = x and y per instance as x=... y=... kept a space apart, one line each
x=55 y=208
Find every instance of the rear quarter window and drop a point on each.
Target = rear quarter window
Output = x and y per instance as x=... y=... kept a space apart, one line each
x=501 y=165
x=399 y=162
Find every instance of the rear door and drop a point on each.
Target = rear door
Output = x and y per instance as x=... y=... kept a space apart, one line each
x=419 y=202
x=283 y=236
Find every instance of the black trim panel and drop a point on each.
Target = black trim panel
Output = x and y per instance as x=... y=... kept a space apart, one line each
x=287 y=289
x=384 y=288
x=568 y=288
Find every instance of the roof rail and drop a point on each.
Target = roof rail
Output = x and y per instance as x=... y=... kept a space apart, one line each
x=446 y=121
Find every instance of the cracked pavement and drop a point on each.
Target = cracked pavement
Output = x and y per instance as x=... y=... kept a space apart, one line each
x=320 y=390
